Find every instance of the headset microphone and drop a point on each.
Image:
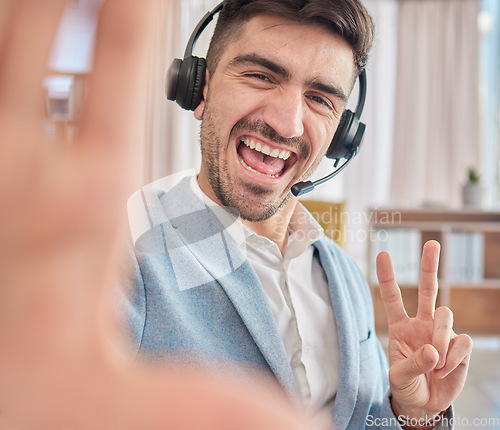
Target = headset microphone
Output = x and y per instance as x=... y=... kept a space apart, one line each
x=301 y=188
x=186 y=78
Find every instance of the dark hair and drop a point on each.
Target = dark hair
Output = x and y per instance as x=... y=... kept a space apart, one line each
x=348 y=19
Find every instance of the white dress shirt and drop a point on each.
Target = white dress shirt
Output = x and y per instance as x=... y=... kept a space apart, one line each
x=297 y=289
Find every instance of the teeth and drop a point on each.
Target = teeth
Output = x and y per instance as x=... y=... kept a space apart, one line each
x=265 y=149
x=246 y=166
x=285 y=155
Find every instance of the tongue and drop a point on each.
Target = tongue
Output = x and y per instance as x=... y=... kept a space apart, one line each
x=261 y=162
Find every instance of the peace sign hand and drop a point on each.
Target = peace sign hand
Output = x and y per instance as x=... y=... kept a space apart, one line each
x=428 y=360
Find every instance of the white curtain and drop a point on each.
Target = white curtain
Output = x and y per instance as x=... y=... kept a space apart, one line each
x=422 y=110
x=437 y=131
x=367 y=180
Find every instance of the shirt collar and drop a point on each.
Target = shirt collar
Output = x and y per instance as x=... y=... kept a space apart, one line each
x=303 y=229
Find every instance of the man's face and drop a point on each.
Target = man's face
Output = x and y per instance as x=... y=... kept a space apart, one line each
x=270 y=112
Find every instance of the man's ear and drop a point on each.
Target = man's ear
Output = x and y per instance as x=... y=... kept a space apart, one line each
x=198 y=112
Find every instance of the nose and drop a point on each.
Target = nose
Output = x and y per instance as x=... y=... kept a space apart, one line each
x=284 y=112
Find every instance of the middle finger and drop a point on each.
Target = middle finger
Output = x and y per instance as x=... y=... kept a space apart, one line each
x=428 y=283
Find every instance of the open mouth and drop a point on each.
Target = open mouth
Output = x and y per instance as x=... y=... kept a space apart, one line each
x=263 y=159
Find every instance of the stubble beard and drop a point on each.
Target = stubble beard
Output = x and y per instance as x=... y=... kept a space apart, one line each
x=249 y=200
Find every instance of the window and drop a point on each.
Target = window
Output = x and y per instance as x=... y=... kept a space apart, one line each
x=489 y=25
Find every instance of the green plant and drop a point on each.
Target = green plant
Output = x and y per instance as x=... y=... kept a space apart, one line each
x=473 y=176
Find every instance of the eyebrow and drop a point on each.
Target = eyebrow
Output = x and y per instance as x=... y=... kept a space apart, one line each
x=262 y=61
x=333 y=90
x=315 y=84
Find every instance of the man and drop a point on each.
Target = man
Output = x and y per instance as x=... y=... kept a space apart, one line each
x=266 y=289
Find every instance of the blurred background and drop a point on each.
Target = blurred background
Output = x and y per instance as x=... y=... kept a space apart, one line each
x=429 y=167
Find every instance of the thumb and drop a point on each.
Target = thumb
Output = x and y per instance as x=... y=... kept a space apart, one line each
x=423 y=360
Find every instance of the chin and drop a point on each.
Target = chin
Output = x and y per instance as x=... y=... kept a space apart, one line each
x=259 y=209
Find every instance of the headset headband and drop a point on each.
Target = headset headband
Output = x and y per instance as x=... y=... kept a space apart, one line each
x=207 y=19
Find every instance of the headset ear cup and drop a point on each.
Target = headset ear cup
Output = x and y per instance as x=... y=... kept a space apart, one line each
x=185 y=81
x=198 y=84
x=337 y=148
x=172 y=79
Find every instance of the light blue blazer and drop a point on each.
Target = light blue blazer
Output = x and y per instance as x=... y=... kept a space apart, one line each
x=194 y=292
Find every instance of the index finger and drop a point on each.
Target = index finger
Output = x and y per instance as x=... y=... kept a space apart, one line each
x=114 y=112
x=428 y=283
x=389 y=289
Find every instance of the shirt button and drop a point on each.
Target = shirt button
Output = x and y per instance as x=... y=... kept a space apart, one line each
x=305 y=349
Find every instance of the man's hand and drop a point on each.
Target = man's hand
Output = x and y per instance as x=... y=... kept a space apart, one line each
x=61 y=209
x=428 y=361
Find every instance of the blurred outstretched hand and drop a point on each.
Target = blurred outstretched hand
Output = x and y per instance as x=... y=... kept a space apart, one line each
x=62 y=210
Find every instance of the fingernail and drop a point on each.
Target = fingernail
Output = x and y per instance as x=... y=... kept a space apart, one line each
x=427 y=356
x=440 y=362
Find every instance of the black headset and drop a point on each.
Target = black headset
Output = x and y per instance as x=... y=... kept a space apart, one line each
x=186 y=78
